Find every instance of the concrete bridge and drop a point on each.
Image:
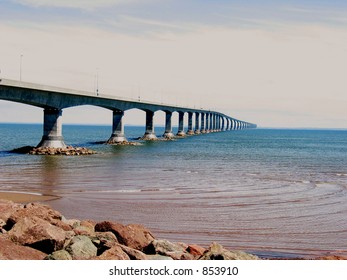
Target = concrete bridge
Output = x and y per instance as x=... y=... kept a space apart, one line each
x=53 y=100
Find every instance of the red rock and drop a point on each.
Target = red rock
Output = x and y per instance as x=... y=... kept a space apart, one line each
x=38 y=233
x=41 y=211
x=196 y=250
x=12 y=251
x=133 y=253
x=115 y=253
x=7 y=208
x=134 y=236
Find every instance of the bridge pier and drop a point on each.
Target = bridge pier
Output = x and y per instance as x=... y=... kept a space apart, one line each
x=181 y=124
x=52 y=129
x=117 y=128
x=208 y=124
x=149 y=134
x=197 y=123
x=202 y=128
x=213 y=123
x=190 y=124
x=168 y=126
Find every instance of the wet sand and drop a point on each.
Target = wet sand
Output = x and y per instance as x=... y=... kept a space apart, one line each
x=20 y=197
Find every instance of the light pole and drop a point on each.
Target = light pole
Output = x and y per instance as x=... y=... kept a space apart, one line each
x=20 y=67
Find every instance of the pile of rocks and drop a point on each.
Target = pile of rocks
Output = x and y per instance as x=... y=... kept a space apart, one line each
x=35 y=231
x=125 y=143
x=67 y=151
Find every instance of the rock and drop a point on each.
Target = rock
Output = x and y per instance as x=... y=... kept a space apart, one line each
x=59 y=255
x=158 y=258
x=134 y=236
x=81 y=247
x=7 y=208
x=12 y=251
x=167 y=248
x=196 y=250
x=115 y=253
x=67 y=151
x=41 y=211
x=83 y=230
x=106 y=241
x=2 y=223
x=73 y=223
x=38 y=233
x=133 y=253
x=217 y=252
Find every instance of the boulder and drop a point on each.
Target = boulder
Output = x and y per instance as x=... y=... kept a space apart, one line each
x=115 y=253
x=104 y=241
x=83 y=230
x=41 y=211
x=59 y=255
x=81 y=247
x=167 y=248
x=38 y=233
x=134 y=236
x=196 y=250
x=12 y=251
x=217 y=252
x=73 y=223
x=7 y=208
x=133 y=253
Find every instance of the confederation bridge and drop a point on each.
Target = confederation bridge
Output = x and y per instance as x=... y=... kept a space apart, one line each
x=53 y=100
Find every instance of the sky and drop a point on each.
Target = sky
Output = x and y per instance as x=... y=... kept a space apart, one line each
x=274 y=63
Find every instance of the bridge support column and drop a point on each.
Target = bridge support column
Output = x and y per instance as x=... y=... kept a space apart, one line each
x=149 y=134
x=190 y=124
x=223 y=124
x=168 y=126
x=117 y=128
x=232 y=124
x=208 y=127
x=52 y=129
x=203 y=123
x=213 y=127
x=197 y=123
x=181 y=124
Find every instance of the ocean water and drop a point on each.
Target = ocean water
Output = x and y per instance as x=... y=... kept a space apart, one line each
x=277 y=193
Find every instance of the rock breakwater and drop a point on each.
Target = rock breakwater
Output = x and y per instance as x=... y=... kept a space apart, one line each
x=67 y=151
x=35 y=231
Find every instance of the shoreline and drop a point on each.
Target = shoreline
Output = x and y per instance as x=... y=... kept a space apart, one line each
x=24 y=197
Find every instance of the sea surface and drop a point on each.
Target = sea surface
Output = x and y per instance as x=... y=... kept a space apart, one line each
x=274 y=192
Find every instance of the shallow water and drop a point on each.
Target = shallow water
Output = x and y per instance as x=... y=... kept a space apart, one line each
x=280 y=193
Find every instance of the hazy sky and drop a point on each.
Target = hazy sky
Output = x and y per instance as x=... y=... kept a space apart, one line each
x=275 y=63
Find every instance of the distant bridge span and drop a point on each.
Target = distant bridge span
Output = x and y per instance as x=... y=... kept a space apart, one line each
x=53 y=100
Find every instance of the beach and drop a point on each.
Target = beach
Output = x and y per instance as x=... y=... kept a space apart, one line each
x=25 y=197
